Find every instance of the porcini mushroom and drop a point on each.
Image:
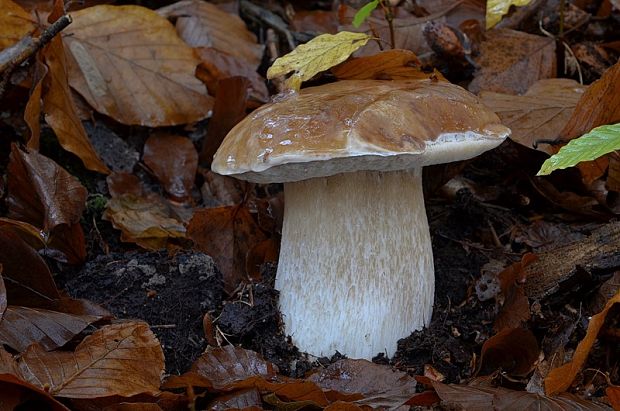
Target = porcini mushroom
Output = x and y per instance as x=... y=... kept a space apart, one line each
x=355 y=272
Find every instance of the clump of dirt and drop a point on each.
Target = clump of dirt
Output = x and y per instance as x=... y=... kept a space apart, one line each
x=171 y=293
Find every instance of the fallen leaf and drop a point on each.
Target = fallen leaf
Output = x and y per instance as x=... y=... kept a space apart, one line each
x=229 y=109
x=598 y=106
x=315 y=56
x=15 y=22
x=613 y=393
x=560 y=379
x=133 y=406
x=116 y=69
x=121 y=359
x=512 y=61
x=376 y=386
x=386 y=65
x=143 y=217
x=174 y=161
x=27 y=278
x=241 y=400
x=512 y=350
x=3 y=302
x=203 y=24
x=227 y=365
x=498 y=8
x=33 y=110
x=218 y=65
x=227 y=234
x=18 y=394
x=41 y=192
x=539 y=114
x=315 y=21
x=22 y=326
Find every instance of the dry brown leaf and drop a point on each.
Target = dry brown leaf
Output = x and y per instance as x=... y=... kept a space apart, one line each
x=386 y=65
x=32 y=112
x=3 y=302
x=129 y=63
x=121 y=359
x=559 y=379
x=539 y=114
x=203 y=24
x=598 y=106
x=41 y=192
x=511 y=61
x=242 y=400
x=18 y=394
x=227 y=365
x=513 y=350
x=133 y=406
x=218 y=65
x=174 y=161
x=479 y=398
x=27 y=279
x=315 y=21
x=227 y=234
x=61 y=112
x=229 y=109
x=373 y=385
x=613 y=393
x=15 y=23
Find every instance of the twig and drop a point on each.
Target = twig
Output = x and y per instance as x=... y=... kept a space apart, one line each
x=15 y=55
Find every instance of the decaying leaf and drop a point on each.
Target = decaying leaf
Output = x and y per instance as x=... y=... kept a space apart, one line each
x=202 y=24
x=174 y=160
x=537 y=117
x=60 y=110
x=18 y=394
x=560 y=379
x=512 y=61
x=366 y=384
x=497 y=8
x=121 y=359
x=15 y=22
x=41 y=192
x=129 y=63
x=22 y=326
x=387 y=65
x=315 y=56
x=3 y=302
x=513 y=350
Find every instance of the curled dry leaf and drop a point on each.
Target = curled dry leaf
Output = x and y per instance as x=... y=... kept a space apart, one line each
x=203 y=24
x=511 y=61
x=41 y=192
x=27 y=278
x=15 y=22
x=61 y=112
x=560 y=379
x=22 y=326
x=143 y=75
x=365 y=383
x=539 y=114
x=121 y=359
x=18 y=394
x=143 y=217
x=513 y=350
x=386 y=65
x=174 y=161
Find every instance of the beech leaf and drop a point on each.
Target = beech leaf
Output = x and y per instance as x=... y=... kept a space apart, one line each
x=319 y=54
x=498 y=8
x=598 y=142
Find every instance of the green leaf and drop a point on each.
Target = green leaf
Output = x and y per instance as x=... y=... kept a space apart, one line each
x=497 y=8
x=598 y=142
x=319 y=54
x=363 y=13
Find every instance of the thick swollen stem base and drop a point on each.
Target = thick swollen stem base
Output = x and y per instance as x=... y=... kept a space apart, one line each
x=356 y=269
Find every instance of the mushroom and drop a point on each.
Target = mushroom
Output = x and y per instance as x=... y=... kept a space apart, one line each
x=355 y=272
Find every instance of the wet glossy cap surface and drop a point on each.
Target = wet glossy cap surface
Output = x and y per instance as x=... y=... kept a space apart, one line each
x=358 y=125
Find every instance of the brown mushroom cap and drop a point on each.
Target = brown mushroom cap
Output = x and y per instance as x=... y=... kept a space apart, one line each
x=358 y=125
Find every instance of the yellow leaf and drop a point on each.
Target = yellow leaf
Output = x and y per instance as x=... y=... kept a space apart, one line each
x=319 y=54
x=15 y=23
x=497 y=8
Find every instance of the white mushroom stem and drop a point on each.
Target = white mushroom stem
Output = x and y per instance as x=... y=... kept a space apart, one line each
x=356 y=267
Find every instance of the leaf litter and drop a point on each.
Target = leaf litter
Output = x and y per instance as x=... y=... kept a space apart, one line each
x=478 y=353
